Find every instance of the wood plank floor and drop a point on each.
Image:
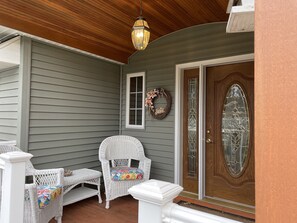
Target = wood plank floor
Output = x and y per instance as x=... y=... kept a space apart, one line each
x=122 y=210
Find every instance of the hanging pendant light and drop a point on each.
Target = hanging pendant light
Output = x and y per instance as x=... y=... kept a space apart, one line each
x=140 y=32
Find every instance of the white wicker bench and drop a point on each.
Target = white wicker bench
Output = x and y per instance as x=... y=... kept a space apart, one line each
x=80 y=177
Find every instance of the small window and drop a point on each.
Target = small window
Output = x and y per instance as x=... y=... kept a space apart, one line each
x=135 y=101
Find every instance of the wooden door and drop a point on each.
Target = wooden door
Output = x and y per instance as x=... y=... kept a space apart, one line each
x=190 y=130
x=230 y=165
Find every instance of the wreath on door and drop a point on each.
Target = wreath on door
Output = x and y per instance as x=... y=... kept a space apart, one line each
x=152 y=96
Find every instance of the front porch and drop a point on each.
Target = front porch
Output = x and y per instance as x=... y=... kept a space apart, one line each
x=59 y=102
x=154 y=196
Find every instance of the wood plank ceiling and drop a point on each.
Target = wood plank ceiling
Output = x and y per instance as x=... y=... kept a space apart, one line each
x=103 y=27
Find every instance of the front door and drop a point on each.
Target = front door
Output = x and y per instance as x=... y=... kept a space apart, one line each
x=229 y=137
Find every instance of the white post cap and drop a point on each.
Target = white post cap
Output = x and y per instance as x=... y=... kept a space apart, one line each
x=155 y=191
x=16 y=157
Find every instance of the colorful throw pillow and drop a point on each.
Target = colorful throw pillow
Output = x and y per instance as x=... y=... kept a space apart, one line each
x=46 y=194
x=126 y=173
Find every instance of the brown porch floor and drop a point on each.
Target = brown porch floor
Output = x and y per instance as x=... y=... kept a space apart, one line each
x=122 y=210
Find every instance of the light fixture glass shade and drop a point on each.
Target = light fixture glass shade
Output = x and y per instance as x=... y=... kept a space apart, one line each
x=140 y=34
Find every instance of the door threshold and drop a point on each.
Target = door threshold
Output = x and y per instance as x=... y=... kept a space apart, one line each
x=222 y=206
x=189 y=194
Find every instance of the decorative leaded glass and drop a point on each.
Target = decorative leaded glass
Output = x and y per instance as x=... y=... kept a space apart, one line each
x=235 y=129
x=192 y=127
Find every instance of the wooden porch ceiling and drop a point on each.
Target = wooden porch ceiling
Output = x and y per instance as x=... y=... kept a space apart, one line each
x=103 y=27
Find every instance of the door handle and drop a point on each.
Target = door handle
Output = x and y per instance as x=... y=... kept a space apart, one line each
x=208 y=140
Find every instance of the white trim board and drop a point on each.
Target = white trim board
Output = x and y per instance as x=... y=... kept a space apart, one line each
x=128 y=77
x=202 y=103
x=24 y=94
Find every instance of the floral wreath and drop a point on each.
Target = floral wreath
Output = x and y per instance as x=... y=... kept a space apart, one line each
x=151 y=96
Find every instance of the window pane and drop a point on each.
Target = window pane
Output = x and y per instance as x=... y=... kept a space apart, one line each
x=192 y=127
x=132 y=100
x=132 y=117
x=139 y=84
x=133 y=84
x=139 y=117
x=235 y=129
x=139 y=100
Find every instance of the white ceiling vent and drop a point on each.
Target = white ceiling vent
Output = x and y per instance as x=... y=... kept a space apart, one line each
x=241 y=18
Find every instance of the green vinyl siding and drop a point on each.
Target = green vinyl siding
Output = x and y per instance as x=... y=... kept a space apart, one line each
x=74 y=105
x=9 y=87
x=159 y=60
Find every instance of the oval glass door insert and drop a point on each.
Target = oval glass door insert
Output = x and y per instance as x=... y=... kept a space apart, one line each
x=235 y=130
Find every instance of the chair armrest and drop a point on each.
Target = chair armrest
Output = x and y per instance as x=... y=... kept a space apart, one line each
x=106 y=174
x=32 y=188
x=31 y=197
x=145 y=165
x=50 y=177
x=105 y=169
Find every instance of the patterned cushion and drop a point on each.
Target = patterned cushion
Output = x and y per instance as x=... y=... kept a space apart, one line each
x=46 y=194
x=126 y=173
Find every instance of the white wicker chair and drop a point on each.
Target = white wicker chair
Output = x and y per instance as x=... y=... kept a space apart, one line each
x=50 y=177
x=119 y=151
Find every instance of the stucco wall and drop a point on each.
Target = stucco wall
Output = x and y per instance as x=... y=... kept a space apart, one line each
x=276 y=111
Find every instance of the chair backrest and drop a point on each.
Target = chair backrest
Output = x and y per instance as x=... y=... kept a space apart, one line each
x=6 y=147
x=120 y=148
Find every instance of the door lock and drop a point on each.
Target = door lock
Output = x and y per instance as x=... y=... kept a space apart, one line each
x=208 y=140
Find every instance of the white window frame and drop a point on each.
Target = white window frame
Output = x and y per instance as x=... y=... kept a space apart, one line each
x=129 y=76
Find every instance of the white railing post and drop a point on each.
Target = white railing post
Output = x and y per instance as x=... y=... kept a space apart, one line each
x=153 y=196
x=13 y=186
x=156 y=205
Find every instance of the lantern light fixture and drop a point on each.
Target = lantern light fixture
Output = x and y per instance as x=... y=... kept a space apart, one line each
x=140 y=32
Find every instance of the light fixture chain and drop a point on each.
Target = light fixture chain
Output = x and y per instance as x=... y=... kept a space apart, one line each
x=140 y=7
